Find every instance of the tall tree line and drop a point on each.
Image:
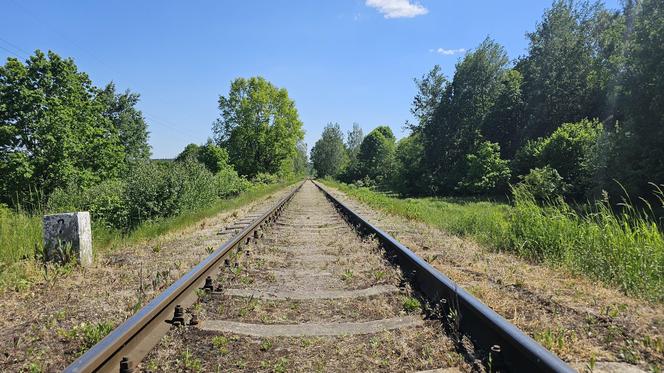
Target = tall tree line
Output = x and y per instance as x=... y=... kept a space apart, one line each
x=582 y=110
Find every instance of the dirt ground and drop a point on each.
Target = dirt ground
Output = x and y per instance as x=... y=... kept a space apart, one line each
x=585 y=323
x=56 y=320
x=298 y=300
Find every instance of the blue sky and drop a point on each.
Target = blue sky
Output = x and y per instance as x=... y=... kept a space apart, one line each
x=343 y=61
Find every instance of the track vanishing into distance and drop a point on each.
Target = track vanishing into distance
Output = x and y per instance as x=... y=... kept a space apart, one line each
x=311 y=286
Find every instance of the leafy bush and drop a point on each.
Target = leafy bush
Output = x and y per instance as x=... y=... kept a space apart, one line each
x=228 y=183
x=105 y=202
x=197 y=186
x=485 y=171
x=214 y=157
x=569 y=150
x=365 y=182
x=265 y=178
x=543 y=183
x=149 y=194
x=151 y=190
x=156 y=190
x=529 y=156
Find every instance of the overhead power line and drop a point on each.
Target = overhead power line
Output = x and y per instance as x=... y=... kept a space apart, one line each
x=17 y=48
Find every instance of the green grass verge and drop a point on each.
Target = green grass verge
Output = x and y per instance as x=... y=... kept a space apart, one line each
x=21 y=237
x=485 y=221
x=625 y=250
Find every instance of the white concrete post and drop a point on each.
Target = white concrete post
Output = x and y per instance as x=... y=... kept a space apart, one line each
x=68 y=236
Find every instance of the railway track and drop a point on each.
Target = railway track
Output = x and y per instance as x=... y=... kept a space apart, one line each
x=309 y=285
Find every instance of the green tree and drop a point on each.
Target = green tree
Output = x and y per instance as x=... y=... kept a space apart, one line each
x=300 y=160
x=190 y=153
x=259 y=126
x=504 y=124
x=486 y=172
x=215 y=158
x=354 y=140
x=120 y=108
x=607 y=31
x=638 y=151
x=212 y=156
x=560 y=82
x=329 y=154
x=376 y=156
x=410 y=176
x=455 y=128
x=430 y=91
x=52 y=130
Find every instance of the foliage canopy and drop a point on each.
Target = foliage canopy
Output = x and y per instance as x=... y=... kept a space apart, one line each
x=259 y=126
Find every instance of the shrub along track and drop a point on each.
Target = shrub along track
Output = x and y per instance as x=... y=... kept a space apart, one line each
x=304 y=292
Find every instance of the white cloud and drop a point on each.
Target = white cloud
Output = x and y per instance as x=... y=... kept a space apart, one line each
x=397 y=8
x=448 y=52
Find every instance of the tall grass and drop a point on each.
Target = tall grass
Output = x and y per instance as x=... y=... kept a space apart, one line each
x=20 y=240
x=486 y=221
x=623 y=249
x=20 y=236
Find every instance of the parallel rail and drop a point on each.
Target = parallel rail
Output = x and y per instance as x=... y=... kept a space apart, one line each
x=135 y=337
x=510 y=349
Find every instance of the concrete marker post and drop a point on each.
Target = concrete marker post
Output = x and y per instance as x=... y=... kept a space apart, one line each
x=68 y=236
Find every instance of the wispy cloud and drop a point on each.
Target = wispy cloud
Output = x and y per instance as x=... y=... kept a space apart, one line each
x=448 y=52
x=398 y=8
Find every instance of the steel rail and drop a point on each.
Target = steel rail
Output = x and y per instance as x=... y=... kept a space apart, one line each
x=510 y=348
x=135 y=337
